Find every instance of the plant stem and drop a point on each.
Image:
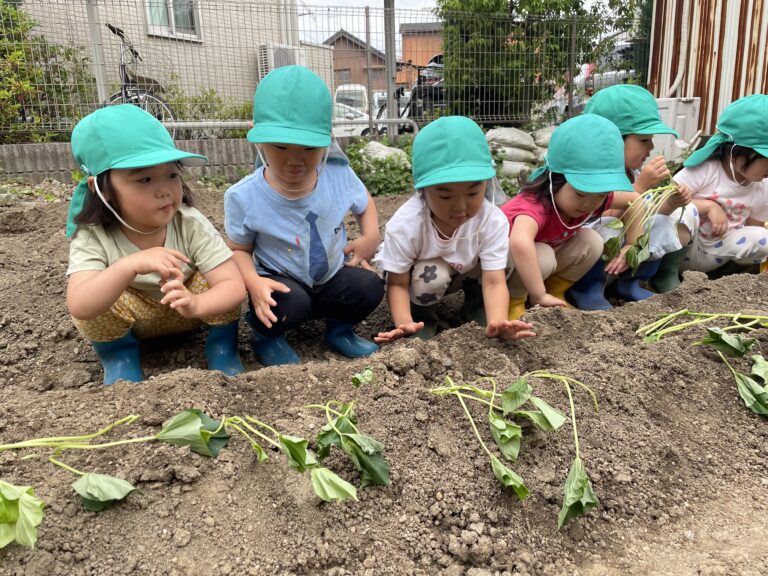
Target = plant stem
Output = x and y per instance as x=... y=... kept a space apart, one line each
x=565 y=380
x=105 y=445
x=53 y=460
x=573 y=418
x=474 y=427
x=55 y=440
x=236 y=422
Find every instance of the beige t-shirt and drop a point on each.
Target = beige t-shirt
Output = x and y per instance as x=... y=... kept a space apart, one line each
x=95 y=248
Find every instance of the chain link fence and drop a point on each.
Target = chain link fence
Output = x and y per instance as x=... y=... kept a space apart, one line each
x=195 y=63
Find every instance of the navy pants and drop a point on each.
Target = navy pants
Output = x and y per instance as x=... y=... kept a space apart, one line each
x=349 y=297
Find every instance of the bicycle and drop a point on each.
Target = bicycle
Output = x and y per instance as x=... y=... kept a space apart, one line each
x=138 y=90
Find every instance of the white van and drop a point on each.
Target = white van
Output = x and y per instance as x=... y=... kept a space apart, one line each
x=352 y=95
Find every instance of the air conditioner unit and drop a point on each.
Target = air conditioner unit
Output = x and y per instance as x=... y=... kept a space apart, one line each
x=271 y=56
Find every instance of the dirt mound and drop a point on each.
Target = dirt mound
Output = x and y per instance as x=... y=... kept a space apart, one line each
x=675 y=458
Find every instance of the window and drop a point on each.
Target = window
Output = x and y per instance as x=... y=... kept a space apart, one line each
x=174 y=18
x=344 y=76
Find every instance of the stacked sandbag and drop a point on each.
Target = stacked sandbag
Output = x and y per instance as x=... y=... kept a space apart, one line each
x=520 y=151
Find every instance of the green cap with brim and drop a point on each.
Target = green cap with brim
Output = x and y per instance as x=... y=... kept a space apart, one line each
x=451 y=149
x=632 y=108
x=292 y=105
x=744 y=123
x=115 y=137
x=589 y=152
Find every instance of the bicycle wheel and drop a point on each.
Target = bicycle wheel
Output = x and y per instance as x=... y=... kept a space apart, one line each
x=149 y=102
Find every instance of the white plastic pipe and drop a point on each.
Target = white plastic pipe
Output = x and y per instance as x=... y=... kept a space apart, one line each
x=683 y=58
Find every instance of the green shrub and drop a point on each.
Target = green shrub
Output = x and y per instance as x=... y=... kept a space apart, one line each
x=382 y=176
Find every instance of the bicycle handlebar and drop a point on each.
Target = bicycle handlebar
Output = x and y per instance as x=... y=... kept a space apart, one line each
x=120 y=34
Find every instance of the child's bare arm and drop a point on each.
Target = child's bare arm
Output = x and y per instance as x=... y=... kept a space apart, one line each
x=364 y=247
x=92 y=292
x=259 y=289
x=399 y=301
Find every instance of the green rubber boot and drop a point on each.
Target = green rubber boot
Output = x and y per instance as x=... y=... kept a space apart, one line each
x=667 y=278
x=427 y=315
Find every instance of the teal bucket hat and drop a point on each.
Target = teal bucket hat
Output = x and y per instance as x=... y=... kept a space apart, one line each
x=589 y=152
x=451 y=149
x=744 y=123
x=292 y=105
x=632 y=108
x=115 y=137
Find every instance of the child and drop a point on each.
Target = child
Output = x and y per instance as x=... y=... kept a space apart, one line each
x=447 y=234
x=728 y=180
x=635 y=112
x=143 y=262
x=285 y=223
x=583 y=176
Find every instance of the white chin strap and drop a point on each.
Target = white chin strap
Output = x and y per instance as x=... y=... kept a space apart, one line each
x=123 y=222
x=554 y=207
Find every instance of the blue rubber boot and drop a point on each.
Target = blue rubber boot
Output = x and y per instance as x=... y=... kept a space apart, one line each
x=221 y=349
x=588 y=292
x=627 y=287
x=274 y=351
x=120 y=359
x=342 y=339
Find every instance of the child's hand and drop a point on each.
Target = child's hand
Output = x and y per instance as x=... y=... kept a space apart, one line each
x=619 y=263
x=717 y=219
x=509 y=329
x=261 y=298
x=161 y=260
x=652 y=173
x=547 y=300
x=362 y=250
x=402 y=331
x=682 y=197
x=178 y=297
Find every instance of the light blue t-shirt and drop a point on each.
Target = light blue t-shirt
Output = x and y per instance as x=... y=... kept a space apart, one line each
x=281 y=229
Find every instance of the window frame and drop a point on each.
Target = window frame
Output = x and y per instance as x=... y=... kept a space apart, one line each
x=170 y=31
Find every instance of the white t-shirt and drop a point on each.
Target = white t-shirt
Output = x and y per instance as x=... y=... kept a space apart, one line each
x=410 y=236
x=709 y=181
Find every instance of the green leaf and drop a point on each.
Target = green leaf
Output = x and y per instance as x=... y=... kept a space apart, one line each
x=328 y=437
x=295 y=449
x=554 y=417
x=507 y=435
x=328 y=486
x=99 y=491
x=612 y=247
x=579 y=497
x=729 y=344
x=509 y=478
x=21 y=512
x=515 y=396
x=195 y=429
x=373 y=468
x=261 y=456
x=616 y=224
x=537 y=418
x=760 y=368
x=754 y=395
x=365 y=377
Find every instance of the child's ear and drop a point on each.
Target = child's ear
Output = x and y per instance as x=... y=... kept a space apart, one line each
x=90 y=182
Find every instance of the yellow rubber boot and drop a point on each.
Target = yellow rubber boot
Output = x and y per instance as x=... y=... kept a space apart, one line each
x=764 y=267
x=556 y=286
x=517 y=307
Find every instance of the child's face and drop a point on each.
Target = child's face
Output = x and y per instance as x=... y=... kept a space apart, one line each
x=637 y=148
x=575 y=204
x=293 y=166
x=147 y=197
x=454 y=203
x=757 y=171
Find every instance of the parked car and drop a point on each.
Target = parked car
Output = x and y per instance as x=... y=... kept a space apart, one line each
x=342 y=112
x=433 y=72
x=422 y=104
x=352 y=95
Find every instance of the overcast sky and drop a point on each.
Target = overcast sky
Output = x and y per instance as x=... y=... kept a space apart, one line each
x=372 y=3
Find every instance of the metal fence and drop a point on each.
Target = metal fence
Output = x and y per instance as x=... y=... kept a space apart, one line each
x=195 y=63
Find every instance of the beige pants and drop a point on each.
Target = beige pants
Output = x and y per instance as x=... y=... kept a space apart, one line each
x=147 y=317
x=570 y=261
x=432 y=280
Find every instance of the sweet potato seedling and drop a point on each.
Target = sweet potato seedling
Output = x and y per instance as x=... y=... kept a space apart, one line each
x=685 y=319
x=507 y=434
x=367 y=376
x=753 y=393
x=21 y=512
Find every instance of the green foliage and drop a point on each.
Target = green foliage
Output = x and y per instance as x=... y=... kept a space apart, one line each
x=99 y=491
x=670 y=323
x=382 y=176
x=42 y=84
x=328 y=486
x=367 y=376
x=21 y=512
x=731 y=345
x=579 y=497
x=502 y=55
x=195 y=429
x=509 y=478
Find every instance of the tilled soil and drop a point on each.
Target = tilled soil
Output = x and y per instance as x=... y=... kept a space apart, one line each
x=677 y=461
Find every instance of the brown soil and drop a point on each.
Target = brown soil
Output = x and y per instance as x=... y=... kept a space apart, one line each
x=678 y=462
